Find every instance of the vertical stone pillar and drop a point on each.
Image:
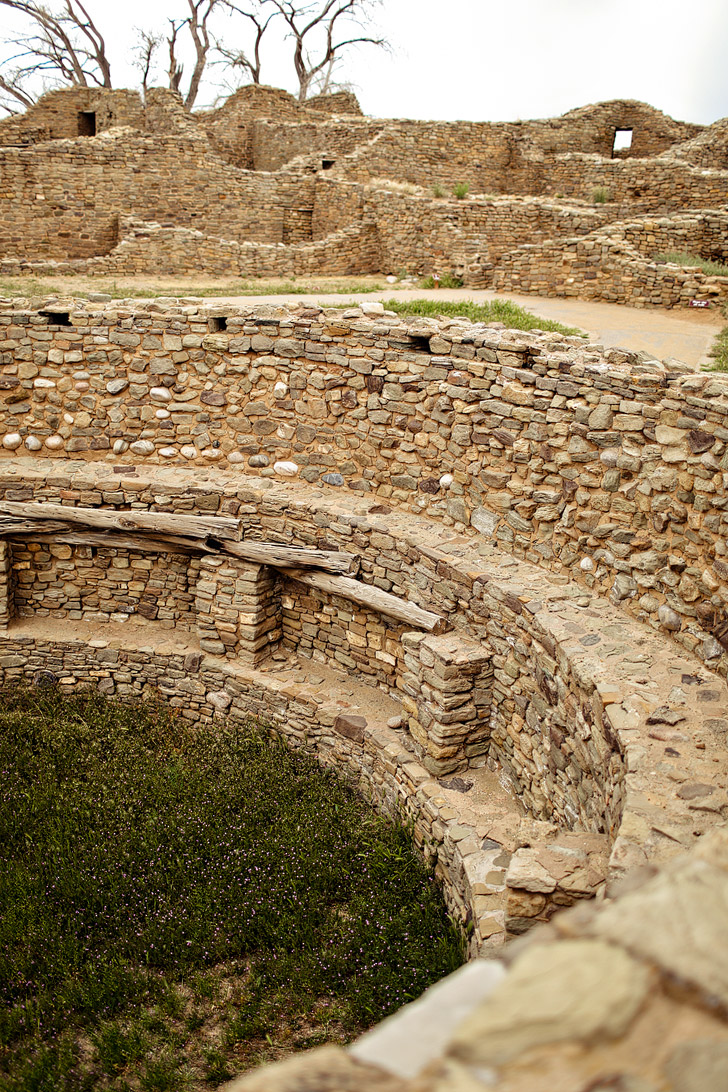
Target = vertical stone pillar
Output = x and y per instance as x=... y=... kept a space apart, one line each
x=238 y=609
x=6 y=584
x=447 y=695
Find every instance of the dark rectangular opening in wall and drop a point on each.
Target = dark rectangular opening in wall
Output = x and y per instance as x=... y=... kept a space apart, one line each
x=87 y=123
x=57 y=318
x=622 y=141
x=327 y=164
x=217 y=325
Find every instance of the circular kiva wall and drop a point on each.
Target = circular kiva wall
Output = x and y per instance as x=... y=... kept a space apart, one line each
x=606 y=733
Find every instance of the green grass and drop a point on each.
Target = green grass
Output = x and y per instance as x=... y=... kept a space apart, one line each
x=680 y=257
x=447 y=280
x=510 y=314
x=178 y=903
x=30 y=286
x=461 y=190
x=601 y=195
x=719 y=349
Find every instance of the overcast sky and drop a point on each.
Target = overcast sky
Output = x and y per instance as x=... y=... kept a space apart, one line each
x=493 y=60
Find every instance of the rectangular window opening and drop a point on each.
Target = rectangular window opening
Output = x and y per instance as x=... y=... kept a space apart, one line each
x=622 y=140
x=327 y=164
x=218 y=324
x=87 y=123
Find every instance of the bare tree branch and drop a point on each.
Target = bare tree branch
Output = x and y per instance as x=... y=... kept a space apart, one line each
x=147 y=46
x=248 y=63
x=310 y=21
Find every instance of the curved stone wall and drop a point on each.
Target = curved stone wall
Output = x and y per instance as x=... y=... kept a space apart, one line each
x=597 y=465
x=577 y=703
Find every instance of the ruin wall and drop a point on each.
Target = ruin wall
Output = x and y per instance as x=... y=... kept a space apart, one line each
x=585 y=462
x=63 y=199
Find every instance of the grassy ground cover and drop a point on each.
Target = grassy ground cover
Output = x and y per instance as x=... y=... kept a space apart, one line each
x=680 y=257
x=150 y=287
x=179 y=904
x=510 y=314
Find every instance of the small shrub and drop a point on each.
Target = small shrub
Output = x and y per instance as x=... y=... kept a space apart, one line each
x=600 y=195
x=719 y=351
x=438 y=190
x=447 y=280
x=461 y=190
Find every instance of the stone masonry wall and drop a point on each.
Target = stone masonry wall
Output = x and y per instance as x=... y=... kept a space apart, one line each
x=618 y=263
x=578 y=719
x=586 y=462
x=332 y=630
x=98 y=584
x=63 y=199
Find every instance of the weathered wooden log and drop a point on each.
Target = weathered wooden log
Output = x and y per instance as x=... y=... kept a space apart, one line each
x=368 y=596
x=276 y=554
x=198 y=527
x=262 y=553
x=153 y=544
x=10 y=526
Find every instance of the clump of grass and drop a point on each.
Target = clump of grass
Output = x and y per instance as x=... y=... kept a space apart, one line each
x=601 y=195
x=447 y=280
x=461 y=190
x=176 y=900
x=438 y=190
x=510 y=314
x=719 y=349
x=705 y=265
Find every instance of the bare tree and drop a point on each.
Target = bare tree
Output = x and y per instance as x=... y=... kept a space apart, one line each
x=63 y=45
x=147 y=45
x=319 y=34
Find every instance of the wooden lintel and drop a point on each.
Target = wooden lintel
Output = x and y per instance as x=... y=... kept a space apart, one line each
x=276 y=554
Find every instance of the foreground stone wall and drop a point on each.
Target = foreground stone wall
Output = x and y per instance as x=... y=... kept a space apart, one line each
x=591 y=463
x=630 y=994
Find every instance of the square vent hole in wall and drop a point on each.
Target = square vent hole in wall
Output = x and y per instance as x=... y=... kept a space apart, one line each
x=217 y=324
x=57 y=318
x=87 y=123
x=622 y=141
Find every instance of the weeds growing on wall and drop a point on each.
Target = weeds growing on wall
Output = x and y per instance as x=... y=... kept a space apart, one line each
x=680 y=257
x=461 y=190
x=178 y=903
x=510 y=314
x=438 y=190
x=601 y=195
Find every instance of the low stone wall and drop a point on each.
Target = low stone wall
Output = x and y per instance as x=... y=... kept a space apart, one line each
x=150 y=248
x=618 y=263
x=630 y=994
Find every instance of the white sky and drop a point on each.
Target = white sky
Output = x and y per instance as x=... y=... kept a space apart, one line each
x=491 y=60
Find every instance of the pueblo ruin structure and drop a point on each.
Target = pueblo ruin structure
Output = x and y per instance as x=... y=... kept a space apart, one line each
x=483 y=572
x=97 y=182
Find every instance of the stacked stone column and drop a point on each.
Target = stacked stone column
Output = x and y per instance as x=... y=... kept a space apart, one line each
x=447 y=694
x=6 y=584
x=238 y=609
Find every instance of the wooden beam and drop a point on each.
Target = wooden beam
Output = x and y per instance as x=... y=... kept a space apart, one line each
x=198 y=527
x=367 y=595
x=169 y=544
x=276 y=554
